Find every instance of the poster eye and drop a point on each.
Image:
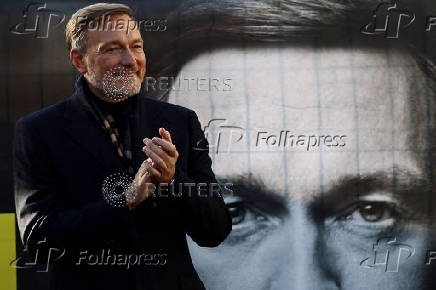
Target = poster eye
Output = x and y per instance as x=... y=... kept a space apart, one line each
x=375 y=211
x=237 y=211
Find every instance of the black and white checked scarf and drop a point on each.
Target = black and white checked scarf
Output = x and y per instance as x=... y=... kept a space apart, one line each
x=108 y=124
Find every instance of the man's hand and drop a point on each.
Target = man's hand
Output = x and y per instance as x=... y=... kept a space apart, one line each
x=141 y=187
x=162 y=155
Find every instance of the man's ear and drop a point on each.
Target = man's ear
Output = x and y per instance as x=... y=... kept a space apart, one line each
x=78 y=60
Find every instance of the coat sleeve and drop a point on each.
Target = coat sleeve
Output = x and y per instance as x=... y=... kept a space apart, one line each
x=203 y=212
x=42 y=208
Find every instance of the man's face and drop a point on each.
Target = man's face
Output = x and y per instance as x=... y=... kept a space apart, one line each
x=315 y=213
x=115 y=59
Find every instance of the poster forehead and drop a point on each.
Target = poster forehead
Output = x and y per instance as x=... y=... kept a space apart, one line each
x=294 y=115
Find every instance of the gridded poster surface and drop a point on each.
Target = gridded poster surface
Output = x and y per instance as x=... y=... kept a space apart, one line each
x=326 y=174
x=325 y=143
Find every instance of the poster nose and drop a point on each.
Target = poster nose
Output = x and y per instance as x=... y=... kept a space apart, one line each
x=300 y=250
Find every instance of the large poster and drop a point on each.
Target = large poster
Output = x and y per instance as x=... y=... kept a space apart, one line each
x=318 y=116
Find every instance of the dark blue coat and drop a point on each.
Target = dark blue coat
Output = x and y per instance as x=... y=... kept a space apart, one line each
x=62 y=157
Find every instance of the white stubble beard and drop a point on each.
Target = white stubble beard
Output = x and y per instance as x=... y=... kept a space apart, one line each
x=110 y=88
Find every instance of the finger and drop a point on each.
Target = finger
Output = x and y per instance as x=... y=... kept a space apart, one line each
x=165 y=134
x=159 y=162
x=143 y=169
x=158 y=150
x=144 y=178
x=152 y=171
x=146 y=141
x=165 y=145
x=151 y=162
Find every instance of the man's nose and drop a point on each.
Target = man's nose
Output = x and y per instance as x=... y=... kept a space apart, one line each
x=127 y=57
x=302 y=255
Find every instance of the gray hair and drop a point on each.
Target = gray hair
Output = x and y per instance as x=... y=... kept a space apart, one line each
x=76 y=29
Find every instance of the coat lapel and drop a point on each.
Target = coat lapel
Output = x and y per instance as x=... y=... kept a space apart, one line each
x=85 y=131
x=149 y=120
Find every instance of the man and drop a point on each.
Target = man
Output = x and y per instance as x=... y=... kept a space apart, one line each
x=333 y=175
x=72 y=161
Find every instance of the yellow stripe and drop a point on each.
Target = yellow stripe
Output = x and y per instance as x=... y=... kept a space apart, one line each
x=8 y=274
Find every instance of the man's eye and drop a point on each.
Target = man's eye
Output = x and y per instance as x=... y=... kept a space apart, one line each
x=112 y=49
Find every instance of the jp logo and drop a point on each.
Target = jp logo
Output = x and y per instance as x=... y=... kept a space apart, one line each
x=216 y=133
x=388 y=20
x=37 y=20
x=40 y=263
x=388 y=254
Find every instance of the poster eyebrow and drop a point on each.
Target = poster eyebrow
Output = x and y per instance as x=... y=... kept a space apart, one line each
x=254 y=192
x=401 y=183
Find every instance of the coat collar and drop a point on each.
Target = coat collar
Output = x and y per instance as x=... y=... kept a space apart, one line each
x=85 y=130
